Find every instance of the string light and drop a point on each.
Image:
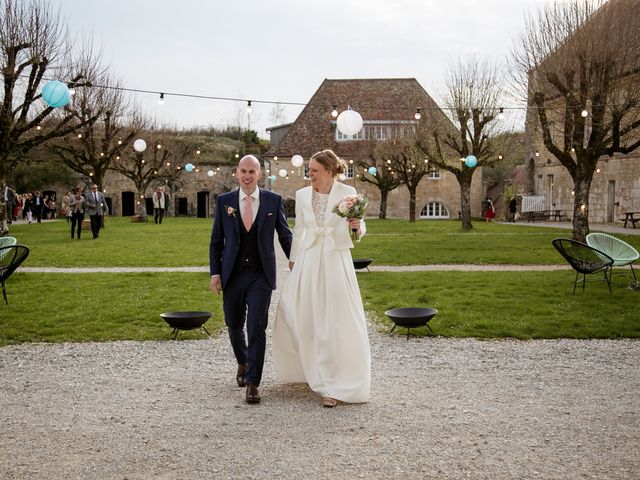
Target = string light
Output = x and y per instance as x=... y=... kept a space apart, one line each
x=249 y=107
x=417 y=115
x=584 y=113
x=501 y=114
x=161 y=100
x=334 y=112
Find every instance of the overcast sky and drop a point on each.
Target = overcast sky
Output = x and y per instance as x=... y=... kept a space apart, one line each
x=281 y=50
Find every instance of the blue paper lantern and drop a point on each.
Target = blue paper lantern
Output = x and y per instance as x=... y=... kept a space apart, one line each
x=471 y=161
x=56 y=94
x=372 y=170
x=188 y=167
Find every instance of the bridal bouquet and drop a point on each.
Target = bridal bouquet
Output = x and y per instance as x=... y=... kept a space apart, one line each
x=352 y=206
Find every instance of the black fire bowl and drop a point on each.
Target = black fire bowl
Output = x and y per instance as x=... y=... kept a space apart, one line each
x=360 y=263
x=186 y=321
x=411 y=317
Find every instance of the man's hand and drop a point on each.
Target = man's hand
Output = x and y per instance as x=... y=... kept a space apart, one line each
x=216 y=285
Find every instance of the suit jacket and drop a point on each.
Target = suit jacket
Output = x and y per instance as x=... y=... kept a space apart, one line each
x=95 y=208
x=225 y=236
x=336 y=229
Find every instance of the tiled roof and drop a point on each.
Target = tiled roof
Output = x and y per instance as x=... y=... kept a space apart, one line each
x=394 y=99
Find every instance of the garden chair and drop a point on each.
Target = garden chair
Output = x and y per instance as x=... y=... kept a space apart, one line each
x=621 y=252
x=11 y=258
x=7 y=241
x=584 y=260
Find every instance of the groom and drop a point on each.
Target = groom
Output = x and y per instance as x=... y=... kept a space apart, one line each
x=242 y=262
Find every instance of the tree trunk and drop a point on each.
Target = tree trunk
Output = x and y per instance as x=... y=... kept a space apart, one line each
x=412 y=205
x=581 y=208
x=4 y=215
x=142 y=209
x=465 y=205
x=382 y=214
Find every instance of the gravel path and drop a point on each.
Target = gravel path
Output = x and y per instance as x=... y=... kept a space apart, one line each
x=440 y=408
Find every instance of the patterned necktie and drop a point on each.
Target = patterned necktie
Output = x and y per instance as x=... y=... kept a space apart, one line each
x=247 y=218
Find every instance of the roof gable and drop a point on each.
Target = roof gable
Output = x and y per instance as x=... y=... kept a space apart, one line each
x=391 y=99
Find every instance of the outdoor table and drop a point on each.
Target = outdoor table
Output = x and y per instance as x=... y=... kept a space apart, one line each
x=557 y=215
x=630 y=217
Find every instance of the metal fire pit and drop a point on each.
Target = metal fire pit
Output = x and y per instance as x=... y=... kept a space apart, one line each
x=411 y=317
x=186 y=321
x=360 y=263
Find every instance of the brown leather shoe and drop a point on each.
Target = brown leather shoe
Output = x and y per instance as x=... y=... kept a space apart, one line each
x=252 y=394
x=242 y=371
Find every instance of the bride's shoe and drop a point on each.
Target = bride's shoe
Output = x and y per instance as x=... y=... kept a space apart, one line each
x=329 y=402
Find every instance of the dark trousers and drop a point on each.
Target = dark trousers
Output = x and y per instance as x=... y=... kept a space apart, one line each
x=246 y=299
x=96 y=223
x=158 y=214
x=37 y=212
x=76 y=219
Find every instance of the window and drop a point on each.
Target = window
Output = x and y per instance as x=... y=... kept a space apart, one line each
x=433 y=173
x=378 y=130
x=357 y=136
x=306 y=172
x=434 y=210
x=349 y=172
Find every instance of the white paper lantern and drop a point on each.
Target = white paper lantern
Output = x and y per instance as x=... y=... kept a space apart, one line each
x=210 y=173
x=297 y=161
x=139 y=145
x=282 y=172
x=349 y=122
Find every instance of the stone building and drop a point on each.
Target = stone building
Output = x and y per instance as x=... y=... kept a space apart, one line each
x=615 y=187
x=386 y=105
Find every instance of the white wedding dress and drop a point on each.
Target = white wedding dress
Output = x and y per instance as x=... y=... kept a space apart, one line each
x=320 y=334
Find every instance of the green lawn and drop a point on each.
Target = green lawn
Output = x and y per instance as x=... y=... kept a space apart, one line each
x=53 y=307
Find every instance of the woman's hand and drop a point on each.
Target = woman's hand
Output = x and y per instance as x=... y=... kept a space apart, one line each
x=354 y=224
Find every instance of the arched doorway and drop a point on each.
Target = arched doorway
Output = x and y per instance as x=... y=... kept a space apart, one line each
x=434 y=210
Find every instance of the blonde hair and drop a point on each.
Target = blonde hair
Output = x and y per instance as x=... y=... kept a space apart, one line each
x=330 y=161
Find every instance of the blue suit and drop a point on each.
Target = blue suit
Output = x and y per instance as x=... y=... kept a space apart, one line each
x=247 y=292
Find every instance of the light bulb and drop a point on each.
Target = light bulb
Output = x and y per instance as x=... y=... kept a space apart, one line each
x=334 y=112
x=501 y=114
x=249 y=107
x=417 y=115
x=161 y=100
x=584 y=113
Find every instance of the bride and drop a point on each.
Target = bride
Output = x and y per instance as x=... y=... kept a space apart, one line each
x=320 y=334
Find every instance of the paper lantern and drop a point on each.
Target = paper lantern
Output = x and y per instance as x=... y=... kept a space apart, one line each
x=297 y=161
x=349 y=122
x=139 y=145
x=282 y=172
x=210 y=173
x=273 y=178
x=56 y=94
x=372 y=170
x=188 y=167
x=471 y=161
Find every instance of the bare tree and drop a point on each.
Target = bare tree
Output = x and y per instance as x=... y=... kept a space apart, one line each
x=384 y=178
x=580 y=60
x=405 y=160
x=162 y=163
x=33 y=43
x=91 y=149
x=471 y=100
